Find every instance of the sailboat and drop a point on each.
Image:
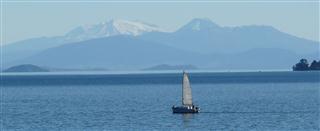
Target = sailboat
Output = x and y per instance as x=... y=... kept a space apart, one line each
x=187 y=105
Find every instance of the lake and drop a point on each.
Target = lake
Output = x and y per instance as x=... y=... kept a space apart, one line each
x=143 y=101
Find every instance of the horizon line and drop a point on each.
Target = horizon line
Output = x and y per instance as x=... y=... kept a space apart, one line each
x=159 y=1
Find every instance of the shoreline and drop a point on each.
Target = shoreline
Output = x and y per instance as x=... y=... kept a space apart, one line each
x=128 y=72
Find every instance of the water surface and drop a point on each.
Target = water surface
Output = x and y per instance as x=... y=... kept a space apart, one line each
x=228 y=101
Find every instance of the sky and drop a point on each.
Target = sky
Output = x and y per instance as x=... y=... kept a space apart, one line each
x=23 y=20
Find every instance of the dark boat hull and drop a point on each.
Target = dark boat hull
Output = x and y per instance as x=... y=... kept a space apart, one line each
x=185 y=109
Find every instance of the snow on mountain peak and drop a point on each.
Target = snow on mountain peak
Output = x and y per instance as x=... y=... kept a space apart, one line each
x=111 y=28
x=133 y=28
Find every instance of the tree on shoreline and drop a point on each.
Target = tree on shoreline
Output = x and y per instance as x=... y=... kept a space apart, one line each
x=303 y=65
x=315 y=65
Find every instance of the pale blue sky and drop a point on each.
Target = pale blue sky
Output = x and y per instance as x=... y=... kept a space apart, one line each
x=27 y=20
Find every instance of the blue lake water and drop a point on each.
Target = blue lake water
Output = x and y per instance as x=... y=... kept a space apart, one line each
x=228 y=101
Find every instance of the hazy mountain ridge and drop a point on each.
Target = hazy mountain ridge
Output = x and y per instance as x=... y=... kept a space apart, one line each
x=204 y=36
x=114 y=52
x=126 y=52
x=201 y=43
x=25 y=48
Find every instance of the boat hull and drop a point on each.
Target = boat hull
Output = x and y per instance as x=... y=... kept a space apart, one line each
x=185 y=109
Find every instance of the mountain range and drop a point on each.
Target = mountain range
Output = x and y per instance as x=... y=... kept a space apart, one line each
x=204 y=36
x=121 y=44
x=25 y=48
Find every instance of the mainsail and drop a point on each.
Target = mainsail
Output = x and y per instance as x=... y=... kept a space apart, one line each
x=186 y=91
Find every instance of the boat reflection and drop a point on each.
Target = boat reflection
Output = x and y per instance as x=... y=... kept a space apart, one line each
x=187 y=119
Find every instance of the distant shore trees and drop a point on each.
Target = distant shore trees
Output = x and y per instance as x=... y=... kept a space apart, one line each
x=303 y=65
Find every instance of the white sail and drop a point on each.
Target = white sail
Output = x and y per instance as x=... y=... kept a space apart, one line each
x=186 y=91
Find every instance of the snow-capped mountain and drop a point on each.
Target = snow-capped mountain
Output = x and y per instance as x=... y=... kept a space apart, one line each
x=29 y=47
x=202 y=42
x=111 y=28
